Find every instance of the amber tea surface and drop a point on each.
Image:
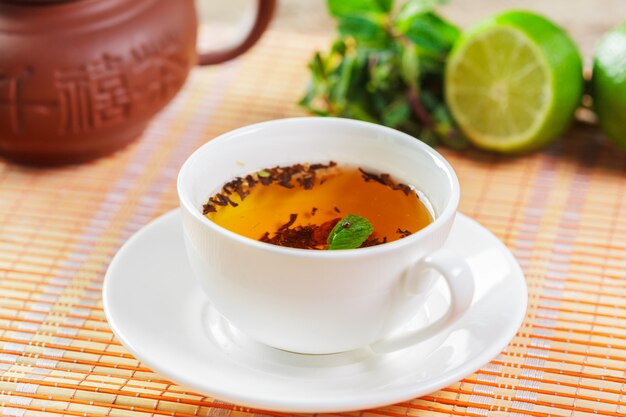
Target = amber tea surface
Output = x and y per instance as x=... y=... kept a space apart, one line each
x=298 y=206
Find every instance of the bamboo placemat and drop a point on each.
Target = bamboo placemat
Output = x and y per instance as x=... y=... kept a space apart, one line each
x=562 y=212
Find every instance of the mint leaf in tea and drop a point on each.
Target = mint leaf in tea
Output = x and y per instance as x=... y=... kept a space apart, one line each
x=305 y=205
x=349 y=233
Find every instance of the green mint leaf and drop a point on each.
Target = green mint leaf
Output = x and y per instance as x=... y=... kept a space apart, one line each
x=410 y=66
x=339 y=47
x=428 y=31
x=446 y=128
x=336 y=84
x=357 y=110
x=364 y=20
x=349 y=233
x=428 y=137
x=382 y=71
x=316 y=85
x=397 y=113
x=316 y=98
x=317 y=67
x=347 y=71
x=415 y=7
x=369 y=29
x=431 y=63
x=343 y=8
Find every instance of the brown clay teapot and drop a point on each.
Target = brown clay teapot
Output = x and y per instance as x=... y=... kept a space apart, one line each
x=80 y=79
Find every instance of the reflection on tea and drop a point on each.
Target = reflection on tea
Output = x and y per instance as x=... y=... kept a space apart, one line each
x=300 y=205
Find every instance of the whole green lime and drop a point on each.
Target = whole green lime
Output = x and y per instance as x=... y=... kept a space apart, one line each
x=609 y=85
x=513 y=82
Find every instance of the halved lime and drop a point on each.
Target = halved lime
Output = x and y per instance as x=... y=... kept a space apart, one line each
x=513 y=82
x=609 y=85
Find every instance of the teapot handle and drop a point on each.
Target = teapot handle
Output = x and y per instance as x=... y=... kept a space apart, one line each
x=264 y=11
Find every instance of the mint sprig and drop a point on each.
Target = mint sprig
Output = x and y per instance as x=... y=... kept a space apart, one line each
x=387 y=66
x=349 y=233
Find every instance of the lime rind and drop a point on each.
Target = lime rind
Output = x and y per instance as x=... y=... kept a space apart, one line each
x=609 y=85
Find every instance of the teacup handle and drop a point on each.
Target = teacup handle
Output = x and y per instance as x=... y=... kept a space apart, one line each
x=460 y=280
x=264 y=11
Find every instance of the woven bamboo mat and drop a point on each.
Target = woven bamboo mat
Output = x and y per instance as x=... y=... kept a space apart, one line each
x=562 y=212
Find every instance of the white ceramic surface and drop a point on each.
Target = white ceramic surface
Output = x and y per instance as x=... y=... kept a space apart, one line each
x=158 y=311
x=323 y=301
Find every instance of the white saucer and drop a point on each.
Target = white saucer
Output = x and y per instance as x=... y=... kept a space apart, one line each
x=159 y=313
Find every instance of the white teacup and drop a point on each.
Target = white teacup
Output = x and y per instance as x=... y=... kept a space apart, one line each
x=321 y=302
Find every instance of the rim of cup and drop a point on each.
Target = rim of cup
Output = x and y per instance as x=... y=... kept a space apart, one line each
x=449 y=210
